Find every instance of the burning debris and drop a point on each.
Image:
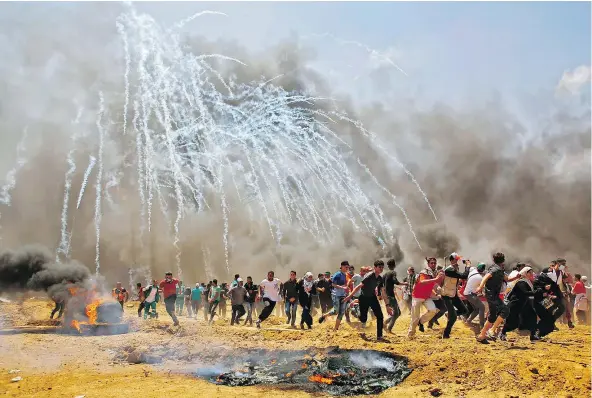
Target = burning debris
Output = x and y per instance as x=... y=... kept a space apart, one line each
x=336 y=372
x=86 y=312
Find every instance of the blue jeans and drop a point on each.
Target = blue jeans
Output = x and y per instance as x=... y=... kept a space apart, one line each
x=338 y=306
x=290 y=310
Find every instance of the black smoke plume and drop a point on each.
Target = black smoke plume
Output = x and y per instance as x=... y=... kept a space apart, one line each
x=32 y=267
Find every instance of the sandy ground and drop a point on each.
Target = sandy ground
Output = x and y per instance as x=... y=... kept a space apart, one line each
x=53 y=365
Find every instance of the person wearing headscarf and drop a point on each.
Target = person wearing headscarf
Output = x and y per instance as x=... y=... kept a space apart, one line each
x=520 y=300
x=306 y=290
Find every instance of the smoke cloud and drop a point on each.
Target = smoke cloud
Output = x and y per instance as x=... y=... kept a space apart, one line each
x=32 y=267
x=493 y=184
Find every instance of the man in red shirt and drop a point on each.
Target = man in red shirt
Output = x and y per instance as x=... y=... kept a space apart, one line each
x=169 y=291
x=422 y=291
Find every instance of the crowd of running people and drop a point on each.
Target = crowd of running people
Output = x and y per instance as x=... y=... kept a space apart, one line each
x=499 y=299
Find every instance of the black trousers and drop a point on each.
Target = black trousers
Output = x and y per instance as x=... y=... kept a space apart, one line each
x=169 y=304
x=367 y=302
x=455 y=307
x=58 y=307
x=267 y=309
x=238 y=310
x=441 y=310
x=140 y=308
x=326 y=304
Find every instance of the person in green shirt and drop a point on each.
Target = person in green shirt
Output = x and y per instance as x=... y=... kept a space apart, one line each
x=180 y=299
x=214 y=299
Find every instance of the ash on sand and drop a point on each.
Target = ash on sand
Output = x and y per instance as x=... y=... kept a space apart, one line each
x=335 y=371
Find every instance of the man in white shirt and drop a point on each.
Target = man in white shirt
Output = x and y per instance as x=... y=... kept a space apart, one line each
x=473 y=281
x=269 y=289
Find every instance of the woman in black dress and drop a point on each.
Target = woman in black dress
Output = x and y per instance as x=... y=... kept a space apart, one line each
x=521 y=301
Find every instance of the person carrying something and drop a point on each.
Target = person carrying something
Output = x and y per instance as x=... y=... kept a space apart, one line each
x=422 y=291
x=120 y=294
x=269 y=289
x=214 y=299
x=140 y=298
x=151 y=297
x=520 y=304
x=169 y=291
x=339 y=284
x=306 y=289
x=492 y=282
x=290 y=295
x=237 y=295
x=473 y=281
x=392 y=307
x=195 y=299
x=180 y=298
x=371 y=284
x=250 y=299
x=449 y=292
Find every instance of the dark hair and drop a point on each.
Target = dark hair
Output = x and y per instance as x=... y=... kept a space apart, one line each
x=215 y=281
x=169 y=273
x=271 y=272
x=293 y=272
x=428 y=259
x=236 y=276
x=578 y=276
x=320 y=274
x=499 y=258
x=248 y=277
x=378 y=263
x=138 y=284
x=391 y=263
x=344 y=263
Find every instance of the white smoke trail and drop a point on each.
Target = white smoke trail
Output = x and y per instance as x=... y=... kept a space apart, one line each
x=10 y=183
x=64 y=246
x=91 y=163
x=98 y=184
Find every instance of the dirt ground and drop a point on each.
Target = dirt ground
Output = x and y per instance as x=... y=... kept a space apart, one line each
x=56 y=365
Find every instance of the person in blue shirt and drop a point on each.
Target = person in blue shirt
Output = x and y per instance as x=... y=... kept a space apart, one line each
x=340 y=289
x=195 y=299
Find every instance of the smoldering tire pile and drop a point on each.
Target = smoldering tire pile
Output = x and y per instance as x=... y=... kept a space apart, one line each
x=335 y=371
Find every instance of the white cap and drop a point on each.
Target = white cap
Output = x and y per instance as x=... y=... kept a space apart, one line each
x=584 y=278
x=239 y=280
x=524 y=271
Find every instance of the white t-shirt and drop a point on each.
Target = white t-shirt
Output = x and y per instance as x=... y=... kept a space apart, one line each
x=473 y=282
x=152 y=296
x=271 y=289
x=357 y=278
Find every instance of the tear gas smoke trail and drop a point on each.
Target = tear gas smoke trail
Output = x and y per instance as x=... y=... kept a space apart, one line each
x=91 y=163
x=126 y=74
x=64 y=246
x=11 y=176
x=99 y=182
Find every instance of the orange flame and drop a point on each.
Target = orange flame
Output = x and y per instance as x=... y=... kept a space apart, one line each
x=91 y=311
x=73 y=291
x=75 y=324
x=320 y=379
x=304 y=366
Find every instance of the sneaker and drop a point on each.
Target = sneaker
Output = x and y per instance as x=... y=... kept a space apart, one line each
x=570 y=325
x=420 y=326
x=445 y=336
x=381 y=339
x=258 y=324
x=482 y=341
x=491 y=336
x=321 y=319
x=503 y=337
x=302 y=326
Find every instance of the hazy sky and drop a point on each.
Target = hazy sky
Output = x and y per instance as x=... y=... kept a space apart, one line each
x=447 y=49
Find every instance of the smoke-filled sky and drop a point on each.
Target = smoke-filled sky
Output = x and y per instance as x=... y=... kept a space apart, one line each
x=488 y=105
